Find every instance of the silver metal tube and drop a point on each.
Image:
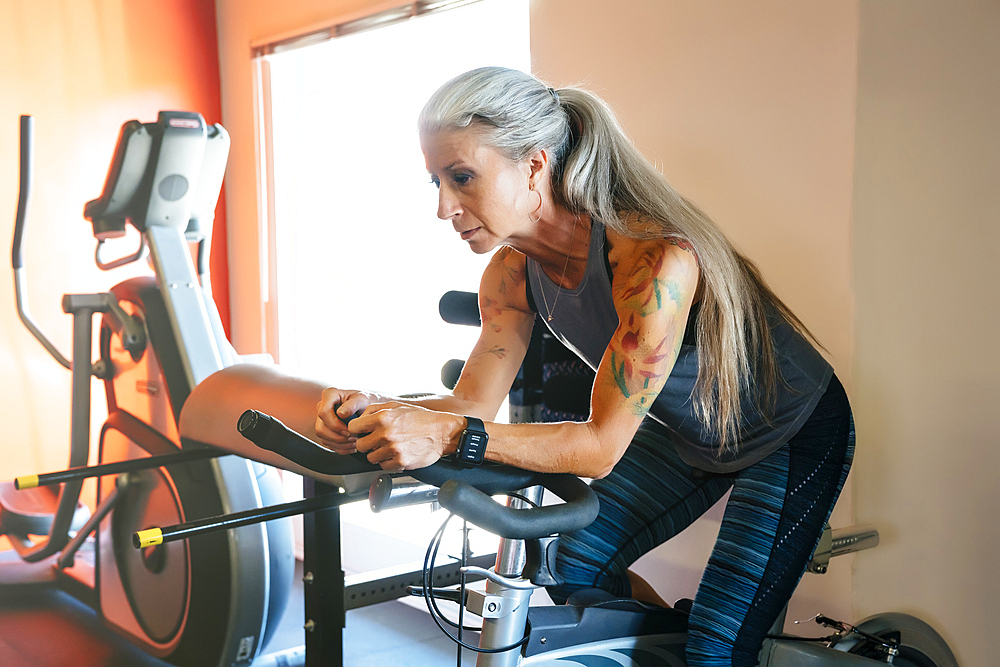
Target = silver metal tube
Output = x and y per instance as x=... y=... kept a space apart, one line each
x=504 y=631
x=510 y=553
x=388 y=492
x=854 y=538
x=22 y=311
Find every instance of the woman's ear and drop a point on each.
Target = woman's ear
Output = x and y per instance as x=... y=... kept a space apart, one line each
x=537 y=167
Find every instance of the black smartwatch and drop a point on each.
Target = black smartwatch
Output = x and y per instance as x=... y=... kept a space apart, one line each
x=472 y=445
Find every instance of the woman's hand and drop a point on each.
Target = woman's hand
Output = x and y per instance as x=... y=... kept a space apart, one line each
x=398 y=436
x=334 y=407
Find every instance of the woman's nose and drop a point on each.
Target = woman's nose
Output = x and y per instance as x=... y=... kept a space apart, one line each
x=448 y=206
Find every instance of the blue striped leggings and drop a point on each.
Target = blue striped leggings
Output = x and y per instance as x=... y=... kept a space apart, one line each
x=771 y=527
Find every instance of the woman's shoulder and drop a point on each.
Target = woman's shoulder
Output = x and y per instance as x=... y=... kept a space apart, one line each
x=506 y=260
x=644 y=238
x=505 y=278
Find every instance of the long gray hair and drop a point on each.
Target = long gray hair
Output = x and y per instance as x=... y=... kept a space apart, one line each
x=596 y=170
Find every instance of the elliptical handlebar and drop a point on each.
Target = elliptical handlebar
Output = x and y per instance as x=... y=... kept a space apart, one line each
x=464 y=490
x=27 y=134
x=27 y=137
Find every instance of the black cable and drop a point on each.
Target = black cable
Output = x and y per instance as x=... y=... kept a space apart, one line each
x=431 y=601
x=461 y=585
x=428 y=578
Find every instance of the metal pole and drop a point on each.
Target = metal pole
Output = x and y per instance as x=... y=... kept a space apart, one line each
x=182 y=531
x=132 y=465
x=324 y=581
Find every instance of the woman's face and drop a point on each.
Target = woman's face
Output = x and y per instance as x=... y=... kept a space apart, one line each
x=482 y=193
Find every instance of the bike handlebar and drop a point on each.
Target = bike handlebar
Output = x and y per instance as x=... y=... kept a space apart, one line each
x=464 y=490
x=577 y=512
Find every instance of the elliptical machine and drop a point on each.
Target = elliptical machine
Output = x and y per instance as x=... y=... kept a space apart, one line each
x=214 y=600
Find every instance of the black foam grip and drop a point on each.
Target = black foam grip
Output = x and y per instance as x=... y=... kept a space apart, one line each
x=464 y=491
x=269 y=433
x=460 y=308
x=579 y=510
x=24 y=190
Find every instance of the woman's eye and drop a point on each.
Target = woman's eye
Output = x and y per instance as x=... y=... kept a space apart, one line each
x=435 y=181
x=462 y=179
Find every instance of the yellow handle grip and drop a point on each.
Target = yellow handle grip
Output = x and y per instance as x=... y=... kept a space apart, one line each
x=149 y=538
x=26 y=482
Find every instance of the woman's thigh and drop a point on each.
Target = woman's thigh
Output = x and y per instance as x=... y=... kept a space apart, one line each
x=649 y=496
x=773 y=521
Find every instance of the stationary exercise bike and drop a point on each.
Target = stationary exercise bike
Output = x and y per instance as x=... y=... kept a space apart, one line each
x=593 y=628
x=211 y=601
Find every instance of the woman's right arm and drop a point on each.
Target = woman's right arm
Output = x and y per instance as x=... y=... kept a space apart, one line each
x=488 y=373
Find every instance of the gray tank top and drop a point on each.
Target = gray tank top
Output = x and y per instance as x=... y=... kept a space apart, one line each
x=584 y=319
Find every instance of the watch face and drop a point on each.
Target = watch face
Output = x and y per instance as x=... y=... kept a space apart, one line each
x=473 y=446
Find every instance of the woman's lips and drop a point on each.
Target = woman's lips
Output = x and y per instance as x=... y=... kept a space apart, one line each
x=466 y=235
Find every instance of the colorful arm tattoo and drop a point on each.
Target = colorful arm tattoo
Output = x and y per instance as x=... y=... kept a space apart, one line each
x=512 y=271
x=640 y=365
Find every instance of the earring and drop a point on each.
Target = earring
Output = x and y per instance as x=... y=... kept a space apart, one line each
x=537 y=208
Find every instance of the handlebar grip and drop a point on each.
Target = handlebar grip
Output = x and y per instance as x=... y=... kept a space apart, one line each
x=457 y=307
x=578 y=512
x=24 y=189
x=269 y=433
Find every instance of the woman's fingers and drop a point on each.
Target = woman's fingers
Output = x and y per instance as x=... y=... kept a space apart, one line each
x=398 y=436
x=333 y=409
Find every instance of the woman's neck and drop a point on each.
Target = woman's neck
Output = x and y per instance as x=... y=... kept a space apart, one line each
x=560 y=244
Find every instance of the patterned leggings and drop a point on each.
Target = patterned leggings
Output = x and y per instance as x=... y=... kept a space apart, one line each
x=771 y=527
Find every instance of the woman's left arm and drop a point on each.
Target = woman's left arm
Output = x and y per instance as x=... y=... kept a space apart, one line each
x=654 y=288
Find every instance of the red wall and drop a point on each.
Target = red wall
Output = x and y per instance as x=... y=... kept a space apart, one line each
x=82 y=69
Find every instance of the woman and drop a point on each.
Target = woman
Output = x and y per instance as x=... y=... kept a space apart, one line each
x=705 y=381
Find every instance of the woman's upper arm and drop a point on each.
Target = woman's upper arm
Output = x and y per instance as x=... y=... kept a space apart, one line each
x=504 y=335
x=654 y=287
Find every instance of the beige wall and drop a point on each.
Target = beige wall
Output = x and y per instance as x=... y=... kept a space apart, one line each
x=927 y=378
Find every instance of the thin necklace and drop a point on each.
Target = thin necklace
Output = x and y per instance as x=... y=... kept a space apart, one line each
x=561 y=278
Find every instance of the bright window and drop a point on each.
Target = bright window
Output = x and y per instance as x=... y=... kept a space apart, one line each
x=360 y=256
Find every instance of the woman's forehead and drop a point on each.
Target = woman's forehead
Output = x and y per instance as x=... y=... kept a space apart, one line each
x=445 y=147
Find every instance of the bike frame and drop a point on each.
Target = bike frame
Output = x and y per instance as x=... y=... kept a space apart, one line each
x=511 y=596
